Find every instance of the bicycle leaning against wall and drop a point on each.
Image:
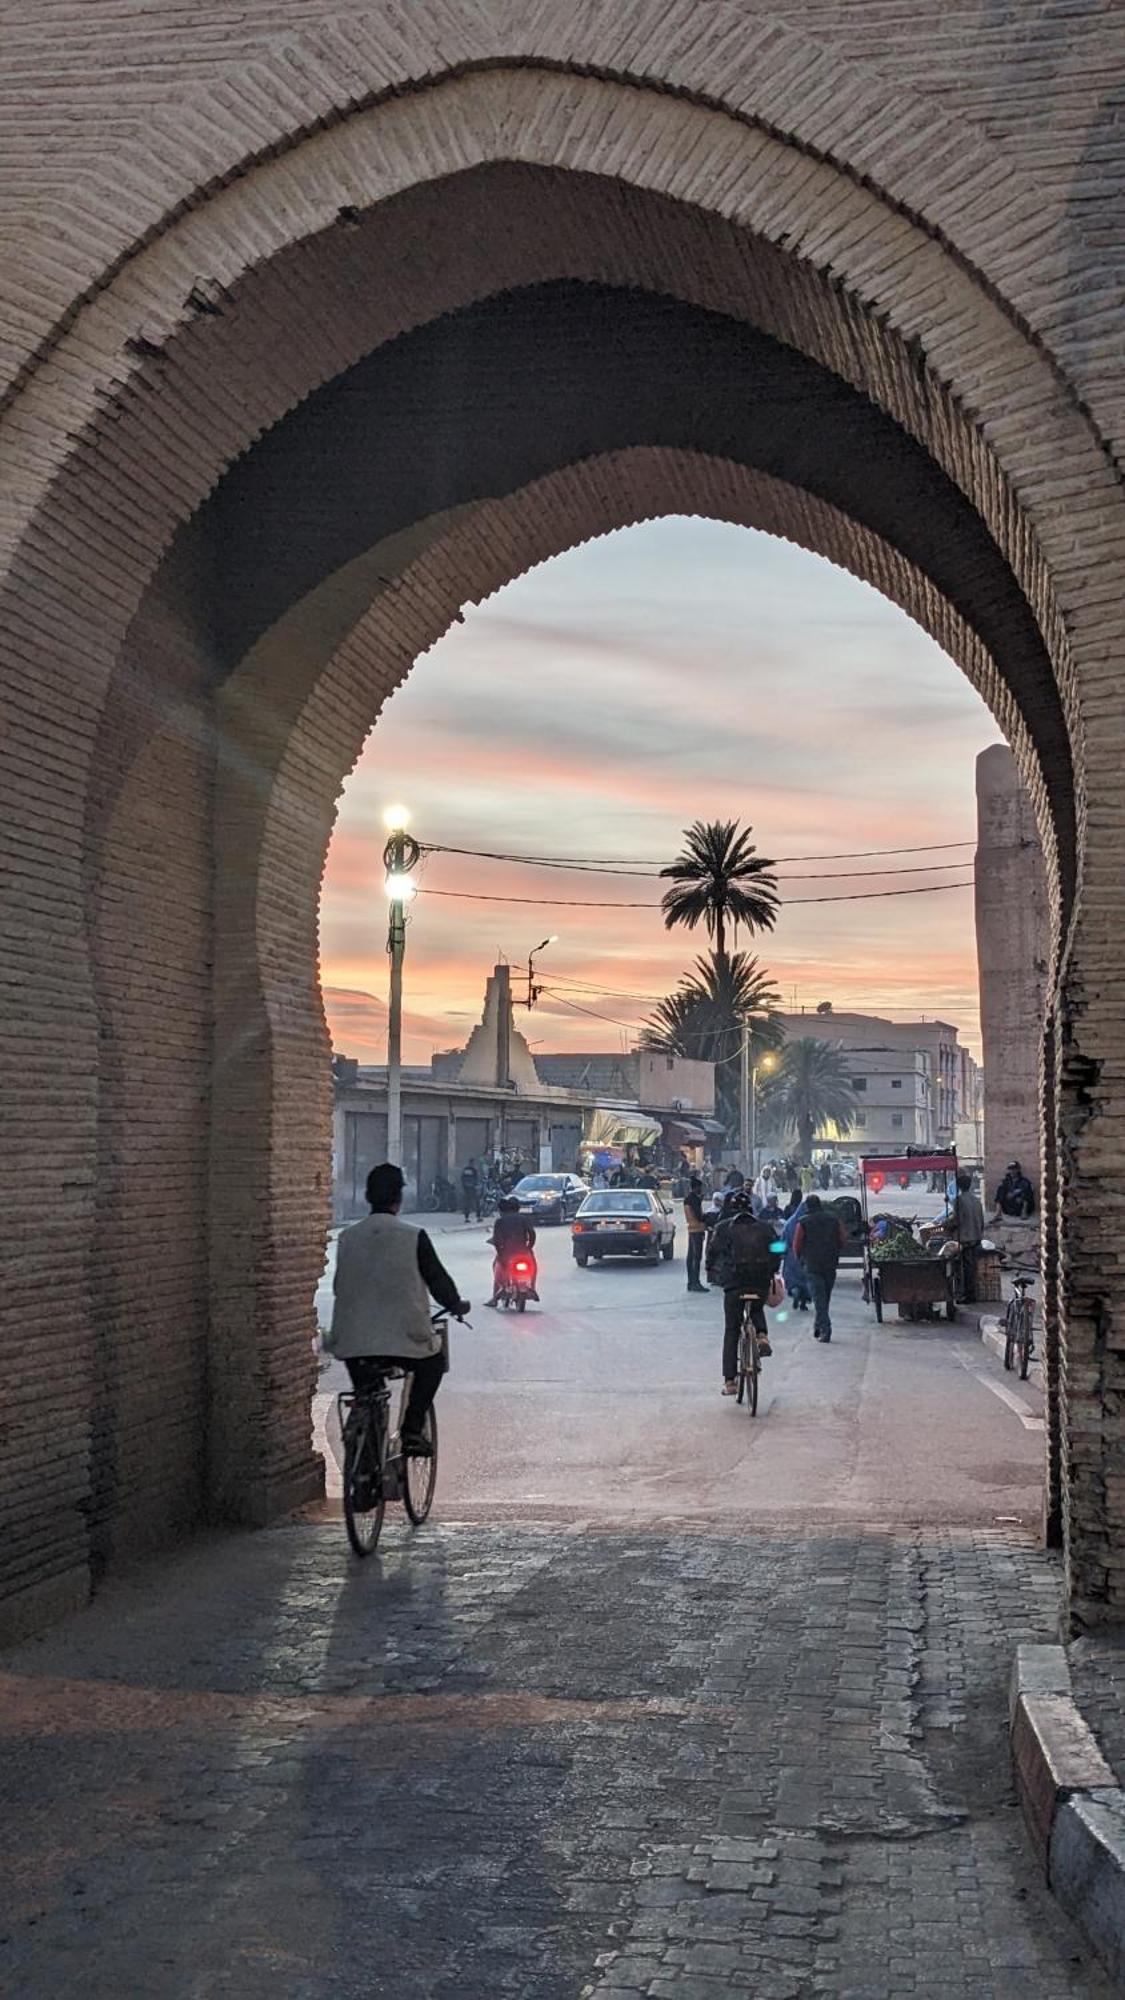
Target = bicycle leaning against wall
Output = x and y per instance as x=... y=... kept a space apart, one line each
x=1019 y=1322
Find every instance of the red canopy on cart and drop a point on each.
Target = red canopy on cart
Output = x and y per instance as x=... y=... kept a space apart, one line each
x=906 y=1163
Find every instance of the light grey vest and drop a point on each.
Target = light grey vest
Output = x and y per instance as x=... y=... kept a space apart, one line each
x=380 y=1303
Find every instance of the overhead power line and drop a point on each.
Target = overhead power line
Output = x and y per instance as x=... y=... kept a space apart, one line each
x=634 y=870
x=792 y=903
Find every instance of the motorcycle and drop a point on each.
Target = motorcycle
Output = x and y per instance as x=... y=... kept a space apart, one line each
x=516 y=1282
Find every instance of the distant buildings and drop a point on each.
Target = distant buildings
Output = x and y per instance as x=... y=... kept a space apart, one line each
x=914 y=1082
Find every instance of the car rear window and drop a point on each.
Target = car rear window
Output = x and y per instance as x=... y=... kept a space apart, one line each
x=624 y=1202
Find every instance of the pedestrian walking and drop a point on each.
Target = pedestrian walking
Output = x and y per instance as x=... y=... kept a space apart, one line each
x=793 y=1270
x=696 y=1233
x=818 y=1240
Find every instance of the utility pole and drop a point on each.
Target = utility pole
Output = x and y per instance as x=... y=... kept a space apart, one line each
x=748 y=1119
x=400 y=855
x=748 y=1122
x=532 y=988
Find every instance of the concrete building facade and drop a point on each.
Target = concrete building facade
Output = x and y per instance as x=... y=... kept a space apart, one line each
x=927 y=1050
x=321 y=321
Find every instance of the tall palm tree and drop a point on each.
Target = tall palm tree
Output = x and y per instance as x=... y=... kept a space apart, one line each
x=810 y=1088
x=720 y=877
x=703 y=1020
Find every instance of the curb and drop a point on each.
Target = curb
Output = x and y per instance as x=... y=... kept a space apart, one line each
x=1071 y=1801
x=992 y=1334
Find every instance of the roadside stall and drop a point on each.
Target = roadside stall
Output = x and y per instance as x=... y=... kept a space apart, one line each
x=898 y=1269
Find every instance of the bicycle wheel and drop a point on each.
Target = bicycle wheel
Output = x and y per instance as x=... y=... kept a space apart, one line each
x=748 y=1368
x=364 y=1502
x=1010 y=1332
x=419 y=1476
x=1025 y=1339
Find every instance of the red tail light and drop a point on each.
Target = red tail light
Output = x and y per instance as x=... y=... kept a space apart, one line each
x=522 y=1268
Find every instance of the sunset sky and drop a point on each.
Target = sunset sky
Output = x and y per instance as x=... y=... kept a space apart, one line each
x=680 y=670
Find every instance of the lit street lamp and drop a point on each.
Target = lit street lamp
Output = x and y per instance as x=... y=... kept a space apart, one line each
x=400 y=855
x=532 y=988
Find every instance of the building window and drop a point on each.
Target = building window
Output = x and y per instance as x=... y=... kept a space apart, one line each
x=896 y=1083
x=671 y=1061
x=896 y=1120
x=861 y=1117
x=859 y=1083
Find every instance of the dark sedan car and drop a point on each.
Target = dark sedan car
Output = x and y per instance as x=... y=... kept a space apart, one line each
x=549 y=1197
x=624 y=1222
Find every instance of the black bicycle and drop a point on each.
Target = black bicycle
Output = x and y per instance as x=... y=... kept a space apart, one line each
x=376 y=1468
x=1019 y=1324
x=749 y=1352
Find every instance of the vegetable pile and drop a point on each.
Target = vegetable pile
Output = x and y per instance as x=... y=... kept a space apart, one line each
x=898 y=1246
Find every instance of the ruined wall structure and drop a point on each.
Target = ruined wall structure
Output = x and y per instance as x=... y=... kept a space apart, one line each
x=320 y=321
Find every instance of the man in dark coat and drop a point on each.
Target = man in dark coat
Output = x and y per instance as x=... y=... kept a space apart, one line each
x=818 y=1241
x=741 y=1259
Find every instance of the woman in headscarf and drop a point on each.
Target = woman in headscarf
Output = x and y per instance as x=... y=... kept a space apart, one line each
x=793 y=1271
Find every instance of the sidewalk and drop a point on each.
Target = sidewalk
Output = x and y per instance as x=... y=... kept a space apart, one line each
x=1068 y=1749
x=569 y=1764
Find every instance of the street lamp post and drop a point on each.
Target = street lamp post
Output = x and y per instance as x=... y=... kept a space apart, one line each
x=400 y=855
x=748 y=1120
x=532 y=989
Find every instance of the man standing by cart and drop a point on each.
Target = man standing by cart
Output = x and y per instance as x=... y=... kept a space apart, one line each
x=968 y=1227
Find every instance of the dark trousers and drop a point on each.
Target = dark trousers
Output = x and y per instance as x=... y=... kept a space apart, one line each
x=695 y=1243
x=425 y=1372
x=969 y=1254
x=732 y=1328
x=822 y=1283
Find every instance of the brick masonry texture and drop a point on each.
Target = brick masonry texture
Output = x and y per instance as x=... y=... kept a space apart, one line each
x=524 y=1761
x=208 y=217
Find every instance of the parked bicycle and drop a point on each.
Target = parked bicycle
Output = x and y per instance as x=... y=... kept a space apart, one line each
x=749 y=1354
x=1019 y=1324
x=376 y=1468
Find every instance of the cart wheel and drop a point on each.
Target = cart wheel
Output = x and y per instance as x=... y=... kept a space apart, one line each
x=877 y=1298
x=950 y=1309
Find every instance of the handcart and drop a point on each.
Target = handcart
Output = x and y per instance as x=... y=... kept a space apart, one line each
x=915 y=1285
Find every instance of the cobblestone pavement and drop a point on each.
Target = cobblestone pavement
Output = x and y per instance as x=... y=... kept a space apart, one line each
x=532 y=1761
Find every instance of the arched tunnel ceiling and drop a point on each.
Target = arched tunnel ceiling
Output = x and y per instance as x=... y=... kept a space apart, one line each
x=478 y=403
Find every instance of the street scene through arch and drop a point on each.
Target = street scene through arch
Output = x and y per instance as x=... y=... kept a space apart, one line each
x=680 y=670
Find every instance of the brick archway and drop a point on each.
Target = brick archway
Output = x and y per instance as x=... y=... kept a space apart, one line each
x=119 y=643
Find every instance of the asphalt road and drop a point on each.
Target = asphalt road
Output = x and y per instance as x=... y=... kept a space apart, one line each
x=603 y=1404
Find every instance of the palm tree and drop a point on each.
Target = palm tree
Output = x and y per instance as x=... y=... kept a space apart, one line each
x=720 y=877
x=703 y=1020
x=810 y=1088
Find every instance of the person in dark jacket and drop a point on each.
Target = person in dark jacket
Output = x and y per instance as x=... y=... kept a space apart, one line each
x=1015 y=1195
x=817 y=1242
x=470 y=1189
x=511 y=1232
x=740 y=1259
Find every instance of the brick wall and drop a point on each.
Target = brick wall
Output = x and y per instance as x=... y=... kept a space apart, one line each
x=204 y=222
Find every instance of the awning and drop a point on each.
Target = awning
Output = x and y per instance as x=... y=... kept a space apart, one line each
x=694 y=1134
x=621 y=1128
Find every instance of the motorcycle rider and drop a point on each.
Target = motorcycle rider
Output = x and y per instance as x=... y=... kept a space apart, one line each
x=512 y=1233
